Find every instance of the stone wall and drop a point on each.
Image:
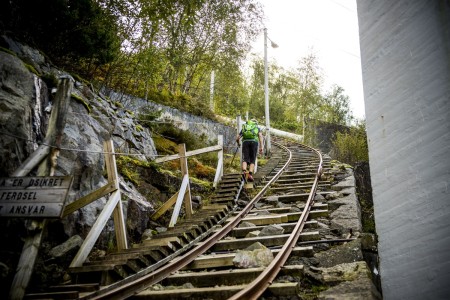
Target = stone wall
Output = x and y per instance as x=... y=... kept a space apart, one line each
x=184 y=121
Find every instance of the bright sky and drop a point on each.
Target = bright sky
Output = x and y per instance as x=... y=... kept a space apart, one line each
x=327 y=28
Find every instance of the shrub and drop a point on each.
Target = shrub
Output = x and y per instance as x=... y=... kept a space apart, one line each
x=351 y=147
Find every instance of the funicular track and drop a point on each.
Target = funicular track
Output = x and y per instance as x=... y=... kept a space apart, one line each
x=201 y=251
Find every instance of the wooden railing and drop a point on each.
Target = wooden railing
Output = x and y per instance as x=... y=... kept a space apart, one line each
x=184 y=194
x=113 y=206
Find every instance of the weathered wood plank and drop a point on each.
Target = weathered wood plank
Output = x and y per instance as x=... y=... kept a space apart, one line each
x=165 y=207
x=188 y=153
x=119 y=220
x=94 y=233
x=218 y=260
x=177 y=208
x=185 y=171
x=85 y=200
x=267 y=241
x=216 y=292
x=53 y=137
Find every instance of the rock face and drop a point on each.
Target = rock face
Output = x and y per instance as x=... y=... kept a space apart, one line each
x=16 y=99
x=27 y=85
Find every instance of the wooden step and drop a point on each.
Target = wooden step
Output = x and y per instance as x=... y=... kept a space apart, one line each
x=218 y=292
x=54 y=295
x=268 y=241
x=225 y=277
x=225 y=260
x=288 y=227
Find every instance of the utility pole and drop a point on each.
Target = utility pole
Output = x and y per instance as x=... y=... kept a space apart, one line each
x=266 y=91
x=211 y=92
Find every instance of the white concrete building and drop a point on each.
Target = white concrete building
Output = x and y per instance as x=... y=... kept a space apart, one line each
x=405 y=53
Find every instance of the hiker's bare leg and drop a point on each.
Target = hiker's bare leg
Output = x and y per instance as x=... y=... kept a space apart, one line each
x=252 y=167
x=244 y=165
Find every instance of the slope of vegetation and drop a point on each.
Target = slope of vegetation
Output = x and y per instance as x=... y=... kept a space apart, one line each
x=166 y=51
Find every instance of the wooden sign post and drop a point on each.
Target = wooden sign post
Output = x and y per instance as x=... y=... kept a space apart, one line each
x=53 y=137
x=36 y=197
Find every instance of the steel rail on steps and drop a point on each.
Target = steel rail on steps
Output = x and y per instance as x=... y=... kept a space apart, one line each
x=137 y=283
x=257 y=287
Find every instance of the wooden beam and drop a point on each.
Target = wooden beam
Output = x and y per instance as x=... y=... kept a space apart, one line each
x=95 y=231
x=185 y=172
x=32 y=161
x=53 y=136
x=176 y=210
x=219 y=169
x=165 y=207
x=85 y=200
x=189 y=153
x=113 y=176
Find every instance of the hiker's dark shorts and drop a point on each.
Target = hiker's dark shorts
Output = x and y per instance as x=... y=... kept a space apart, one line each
x=249 y=151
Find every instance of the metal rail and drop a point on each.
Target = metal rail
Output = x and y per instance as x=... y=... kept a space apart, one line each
x=262 y=282
x=133 y=285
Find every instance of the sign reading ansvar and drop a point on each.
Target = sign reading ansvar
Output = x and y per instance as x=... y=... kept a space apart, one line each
x=41 y=197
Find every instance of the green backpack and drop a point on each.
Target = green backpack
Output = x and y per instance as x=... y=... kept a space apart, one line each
x=250 y=131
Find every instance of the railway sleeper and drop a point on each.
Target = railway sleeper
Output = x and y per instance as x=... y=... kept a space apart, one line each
x=288 y=228
x=295 y=197
x=219 y=292
x=225 y=277
x=53 y=295
x=282 y=218
x=68 y=291
x=220 y=260
x=268 y=241
x=283 y=210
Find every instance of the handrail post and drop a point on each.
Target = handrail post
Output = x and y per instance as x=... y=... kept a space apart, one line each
x=119 y=220
x=219 y=169
x=112 y=207
x=53 y=136
x=184 y=171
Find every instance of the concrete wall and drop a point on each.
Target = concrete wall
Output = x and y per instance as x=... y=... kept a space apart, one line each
x=405 y=53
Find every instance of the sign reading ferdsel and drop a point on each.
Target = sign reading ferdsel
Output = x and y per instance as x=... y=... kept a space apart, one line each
x=41 y=197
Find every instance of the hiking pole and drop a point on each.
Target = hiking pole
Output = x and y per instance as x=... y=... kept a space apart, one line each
x=237 y=148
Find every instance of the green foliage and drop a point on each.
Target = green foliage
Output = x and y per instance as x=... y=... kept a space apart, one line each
x=351 y=147
x=64 y=30
x=128 y=167
x=289 y=125
x=179 y=136
x=82 y=101
x=296 y=95
x=148 y=118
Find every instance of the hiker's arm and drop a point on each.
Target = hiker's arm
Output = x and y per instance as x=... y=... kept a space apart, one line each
x=238 y=138
x=261 y=144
